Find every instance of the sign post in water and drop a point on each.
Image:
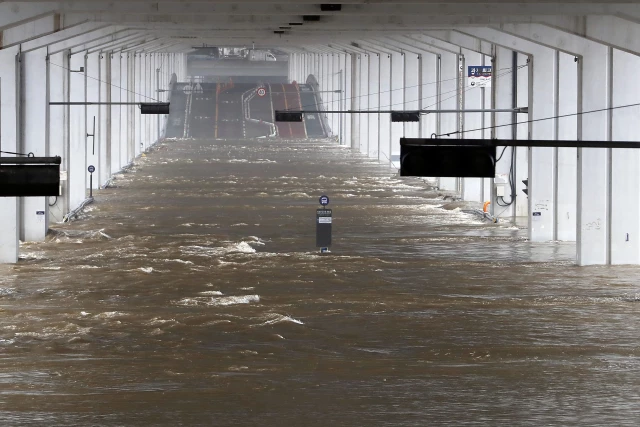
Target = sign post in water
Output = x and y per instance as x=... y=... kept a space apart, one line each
x=91 y=170
x=323 y=225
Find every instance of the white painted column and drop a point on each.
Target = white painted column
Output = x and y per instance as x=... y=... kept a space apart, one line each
x=385 y=101
x=352 y=99
x=472 y=188
x=593 y=202
x=59 y=128
x=9 y=220
x=412 y=94
x=430 y=83
x=567 y=160
x=77 y=133
x=104 y=120
x=346 y=86
x=126 y=127
x=625 y=171
x=92 y=73
x=363 y=102
x=116 y=112
x=33 y=117
x=373 y=92
x=448 y=101
x=139 y=120
x=397 y=103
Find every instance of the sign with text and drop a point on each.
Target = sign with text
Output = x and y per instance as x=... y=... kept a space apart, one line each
x=480 y=75
x=324 y=218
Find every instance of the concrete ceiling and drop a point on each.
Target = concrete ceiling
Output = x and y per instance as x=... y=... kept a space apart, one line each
x=251 y=22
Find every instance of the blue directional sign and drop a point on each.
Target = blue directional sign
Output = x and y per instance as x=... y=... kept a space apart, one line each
x=324 y=200
x=91 y=169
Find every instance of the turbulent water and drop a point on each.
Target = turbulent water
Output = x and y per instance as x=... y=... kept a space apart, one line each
x=191 y=293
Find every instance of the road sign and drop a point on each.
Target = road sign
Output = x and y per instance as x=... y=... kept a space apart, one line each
x=324 y=200
x=91 y=169
x=261 y=91
x=323 y=227
x=479 y=75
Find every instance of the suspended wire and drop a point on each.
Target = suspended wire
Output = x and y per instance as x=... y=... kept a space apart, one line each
x=387 y=91
x=562 y=116
x=443 y=93
x=108 y=84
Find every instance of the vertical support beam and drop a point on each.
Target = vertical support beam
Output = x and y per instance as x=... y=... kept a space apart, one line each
x=104 y=119
x=449 y=93
x=373 y=92
x=9 y=219
x=92 y=83
x=567 y=129
x=430 y=81
x=33 y=119
x=363 y=102
x=353 y=100
x=472 y=99
x=594 y=164
x=397 y=103
x=58 y=128
x=116 y=111
x=77 y=132
x=384 y=102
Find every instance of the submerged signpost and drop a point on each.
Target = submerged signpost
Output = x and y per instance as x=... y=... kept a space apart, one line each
x=323 y=225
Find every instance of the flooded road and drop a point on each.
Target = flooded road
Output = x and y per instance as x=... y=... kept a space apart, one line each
x=191 y=293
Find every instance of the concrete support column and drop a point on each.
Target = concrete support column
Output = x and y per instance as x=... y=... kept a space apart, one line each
x=92 y=82
x=594 y=164
x=363 y=102
x=472 y=188
x=412 y=95
x=33 y=130
x=344 y=96
x=373 y=92
x=352 y=99
x=449 y=100
x=77 y=132
x=127 y=135
x=9 y=219
x=103 y=124
x=58 y=128
x=384 y=103
x=625 y=171
x=116 y=112
x=567 y=158
x=430 y=84
x=398 y=85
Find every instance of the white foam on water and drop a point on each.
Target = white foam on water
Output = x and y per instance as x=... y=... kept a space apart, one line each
x=218 y=301
x=109 y=315
x=218 y=293
x=240 y=224
x=181 y=261
x=275 y=318
x=52 y=268
x=146 y=269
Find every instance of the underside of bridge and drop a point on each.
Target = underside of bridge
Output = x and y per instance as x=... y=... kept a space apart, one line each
x=226 y=67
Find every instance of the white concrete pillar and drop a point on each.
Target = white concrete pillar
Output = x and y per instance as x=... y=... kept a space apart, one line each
x=9 y=219
x=542 y=161
x=412 y=94
x=472 y=188
x=352 y=99
x=397 y=78
x=384 y=103
x=77 y=132
x=567 y=158
x=625 y=171
x=104 y=119
x=430 y=84
x=33 y=130
x=373 y=92
x=594 y=164
x=116 y=111
x=59 y=128
x=449 y=100
x=92 y=82
x=126 y=125
x=363 y=103
x=138 y=70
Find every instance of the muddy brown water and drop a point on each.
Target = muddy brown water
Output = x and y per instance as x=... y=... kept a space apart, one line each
x=191 y=293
